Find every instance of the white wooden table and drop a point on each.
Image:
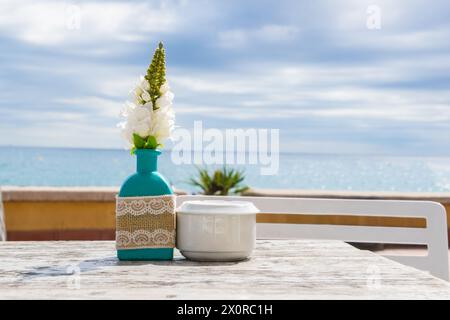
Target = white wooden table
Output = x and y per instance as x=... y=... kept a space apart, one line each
x=278 y=269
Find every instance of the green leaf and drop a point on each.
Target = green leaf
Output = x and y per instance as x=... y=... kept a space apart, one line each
x=133 y=150
x=151 y=143
x=139 y=142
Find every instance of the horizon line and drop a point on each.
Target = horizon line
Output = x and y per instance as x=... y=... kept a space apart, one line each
x=247 y=152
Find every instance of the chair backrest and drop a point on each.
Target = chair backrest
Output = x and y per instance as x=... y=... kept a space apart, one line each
x=434 y=235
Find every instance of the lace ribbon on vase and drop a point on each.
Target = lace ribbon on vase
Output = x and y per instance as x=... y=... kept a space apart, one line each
x=145 y=222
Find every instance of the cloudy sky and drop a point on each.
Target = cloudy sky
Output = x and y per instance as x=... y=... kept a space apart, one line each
x=313 y=69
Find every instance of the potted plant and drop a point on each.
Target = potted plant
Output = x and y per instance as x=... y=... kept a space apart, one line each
x=220 y=182
x=145 y=212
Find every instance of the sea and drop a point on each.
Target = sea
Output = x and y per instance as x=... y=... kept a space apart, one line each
x=32 y=166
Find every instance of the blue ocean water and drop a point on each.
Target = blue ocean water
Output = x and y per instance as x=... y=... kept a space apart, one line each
x=95 y=167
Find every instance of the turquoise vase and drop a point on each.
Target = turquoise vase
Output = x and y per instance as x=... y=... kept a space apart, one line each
x=145 y=182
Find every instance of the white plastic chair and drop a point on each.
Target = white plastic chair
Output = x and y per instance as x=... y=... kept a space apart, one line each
x=434 y=235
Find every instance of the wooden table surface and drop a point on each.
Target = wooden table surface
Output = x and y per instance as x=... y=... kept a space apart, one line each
x=278 y=269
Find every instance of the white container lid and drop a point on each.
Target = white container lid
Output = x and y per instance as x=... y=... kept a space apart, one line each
x=217 y=207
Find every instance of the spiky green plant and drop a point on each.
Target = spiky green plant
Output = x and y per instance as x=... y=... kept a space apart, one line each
x=220 y=182
x=156 y=73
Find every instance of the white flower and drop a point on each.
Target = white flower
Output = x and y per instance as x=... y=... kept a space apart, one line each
x=142 y=120
x=140 y=93
x=139 y=114
x=144 y=84
x=146 y=96
x=163 y=123
x=139 y=121
x=136 y=96
x=125 y=132
x=126 y=110
x=165 y=100
x=164 y=88
x=142 y=129
x=148 y=105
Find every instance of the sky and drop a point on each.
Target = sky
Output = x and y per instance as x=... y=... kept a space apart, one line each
x=313 y=69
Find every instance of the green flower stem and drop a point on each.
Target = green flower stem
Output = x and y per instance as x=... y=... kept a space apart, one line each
x=156 y=73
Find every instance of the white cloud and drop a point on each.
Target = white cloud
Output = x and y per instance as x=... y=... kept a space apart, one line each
x=352 y=91
x=97 y=106
x=45 y=117
x=385 y=112
x=61 y=134
x=112 y=80
x=318 y=66
x=54 y=23
x=288 y=77
x=238 y=38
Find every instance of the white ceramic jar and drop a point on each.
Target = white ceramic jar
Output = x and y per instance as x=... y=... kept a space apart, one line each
x=216 y=230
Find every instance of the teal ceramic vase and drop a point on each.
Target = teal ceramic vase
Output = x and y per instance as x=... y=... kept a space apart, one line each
x=145 y=182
